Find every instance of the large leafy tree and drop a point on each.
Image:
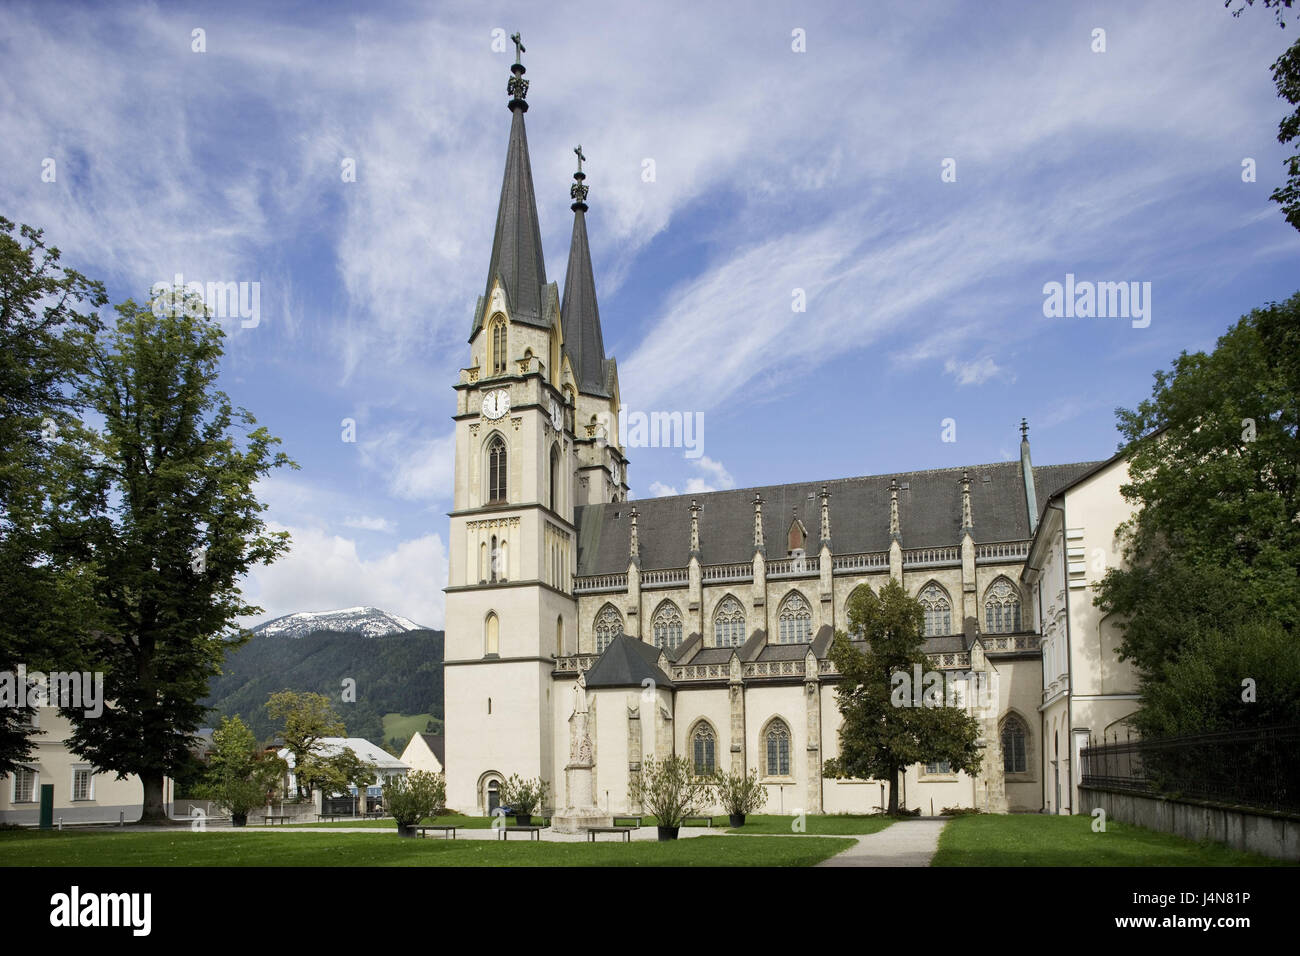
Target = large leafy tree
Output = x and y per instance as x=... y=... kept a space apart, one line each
x=879 y=739
x=1286 y=77
x=307 y=717
x=1214 y=469
x=47 y=327
x=173 y=468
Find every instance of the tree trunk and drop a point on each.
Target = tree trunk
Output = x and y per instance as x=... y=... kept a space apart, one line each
x=154 y=810
x=893 y=791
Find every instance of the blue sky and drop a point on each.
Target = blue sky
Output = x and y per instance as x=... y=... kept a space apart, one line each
x=775 y=170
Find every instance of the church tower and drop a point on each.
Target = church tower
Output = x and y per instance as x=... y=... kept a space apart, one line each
x=512 y=544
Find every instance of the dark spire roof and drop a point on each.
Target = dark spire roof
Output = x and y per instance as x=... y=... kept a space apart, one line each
x=517 y=245
x=627 y=662
x=583 y=343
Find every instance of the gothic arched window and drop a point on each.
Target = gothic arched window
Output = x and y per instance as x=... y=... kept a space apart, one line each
x=1013 y=745
x=491 y=635
x=497 y=470
x=559 y=636
x=776 y=739
x=938 y=611
x=497 y=345
x=609 y=625
x=555 y=478
x=729 y=624
x=794 y=620
x=703 y=750
x=668 y=626
x=1001 y=608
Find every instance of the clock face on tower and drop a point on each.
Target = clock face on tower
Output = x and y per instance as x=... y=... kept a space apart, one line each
x=496 y=403
x=557 y=416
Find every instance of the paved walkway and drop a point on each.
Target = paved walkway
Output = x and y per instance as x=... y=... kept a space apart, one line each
x=904 y=843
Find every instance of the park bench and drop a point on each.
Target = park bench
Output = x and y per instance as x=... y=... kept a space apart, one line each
x=273 y=818
x=448 y=828
x=626 y=831
x=707 y=821
x=617 y=817
x=536 y=832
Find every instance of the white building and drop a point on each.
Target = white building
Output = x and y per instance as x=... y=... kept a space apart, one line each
x=387 y=767
x=424 y=752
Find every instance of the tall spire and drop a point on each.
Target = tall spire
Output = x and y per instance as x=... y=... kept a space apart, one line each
x=517 y=243
x=583 y=343
x=967 y=521
x=758 y=523
x=1027 y=475
x=893 y=509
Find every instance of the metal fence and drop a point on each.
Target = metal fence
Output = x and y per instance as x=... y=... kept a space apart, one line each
x=1252 y=768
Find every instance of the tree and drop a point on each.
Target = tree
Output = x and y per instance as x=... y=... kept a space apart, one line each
x=307 y=718
x=739 y=793
x=1241 y=676
x=415 y=796
x=879 y=737
x=523 y=796
x=1286 y=77
x=47 y=327
x=670 y=790
x=174 y=527
x=334 y=772
x=240 y=775
x=1214 y=470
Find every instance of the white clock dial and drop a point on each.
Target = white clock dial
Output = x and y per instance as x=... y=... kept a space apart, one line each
x=557 y=415
x=496 y=403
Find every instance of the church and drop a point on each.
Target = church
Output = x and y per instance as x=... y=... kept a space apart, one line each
x=587 y=632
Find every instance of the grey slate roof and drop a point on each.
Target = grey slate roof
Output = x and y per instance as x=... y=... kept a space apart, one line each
x=583 y=342
x=517 y=243
x=929 y=510
x=627 y=662
x=436 y=743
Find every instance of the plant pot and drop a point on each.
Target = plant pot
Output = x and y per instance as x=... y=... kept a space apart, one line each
x=406 y=830
x=667 y=833
x=523 y=819
x=737 y=819
x=238 y=819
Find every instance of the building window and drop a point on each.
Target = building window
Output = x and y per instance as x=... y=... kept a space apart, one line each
x=491 y=636
x=938 y=612
x=1013 y=746
x=703 y=751
x=497 y=470
x=555 y=478
x=795 y=620
x=938 y=767
x=1001 y=608
x=729 y=624
x=497 y=358
x=777 y=740
x=559 y=637
x=609 y=625
x=83 y=786
x=668 y=627
x=24 y=785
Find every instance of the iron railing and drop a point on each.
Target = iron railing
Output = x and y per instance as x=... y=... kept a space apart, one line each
x=1252 y=768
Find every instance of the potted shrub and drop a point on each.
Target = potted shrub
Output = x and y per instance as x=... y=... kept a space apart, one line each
x=523 y=797
x=671 y=791
x=739 y=793
x=239 y=774
x=413 y=797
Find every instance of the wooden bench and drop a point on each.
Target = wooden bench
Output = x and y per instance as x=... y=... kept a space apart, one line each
x=445 y=830
x=708 y=821
x=618 y=817
x=535 y=831
x=626 y=831
x=271 y=818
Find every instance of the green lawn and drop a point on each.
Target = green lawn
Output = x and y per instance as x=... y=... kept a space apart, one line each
x=402 y=726
x=820 y=824
x=1039 y=840
x=89 y=848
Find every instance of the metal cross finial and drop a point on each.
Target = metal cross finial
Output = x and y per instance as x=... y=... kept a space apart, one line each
x=1024 y=429
x=519 y=46
x=581 y=157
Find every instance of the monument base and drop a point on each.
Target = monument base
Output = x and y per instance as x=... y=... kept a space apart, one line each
x=579 y=819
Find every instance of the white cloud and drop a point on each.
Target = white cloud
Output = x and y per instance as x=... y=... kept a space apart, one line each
x=324 y=571
x=659 y=490
x=369 y=523
x=715 y=477
x=975 y=372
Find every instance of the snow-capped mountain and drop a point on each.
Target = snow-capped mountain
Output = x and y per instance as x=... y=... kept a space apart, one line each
x=370 y=621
